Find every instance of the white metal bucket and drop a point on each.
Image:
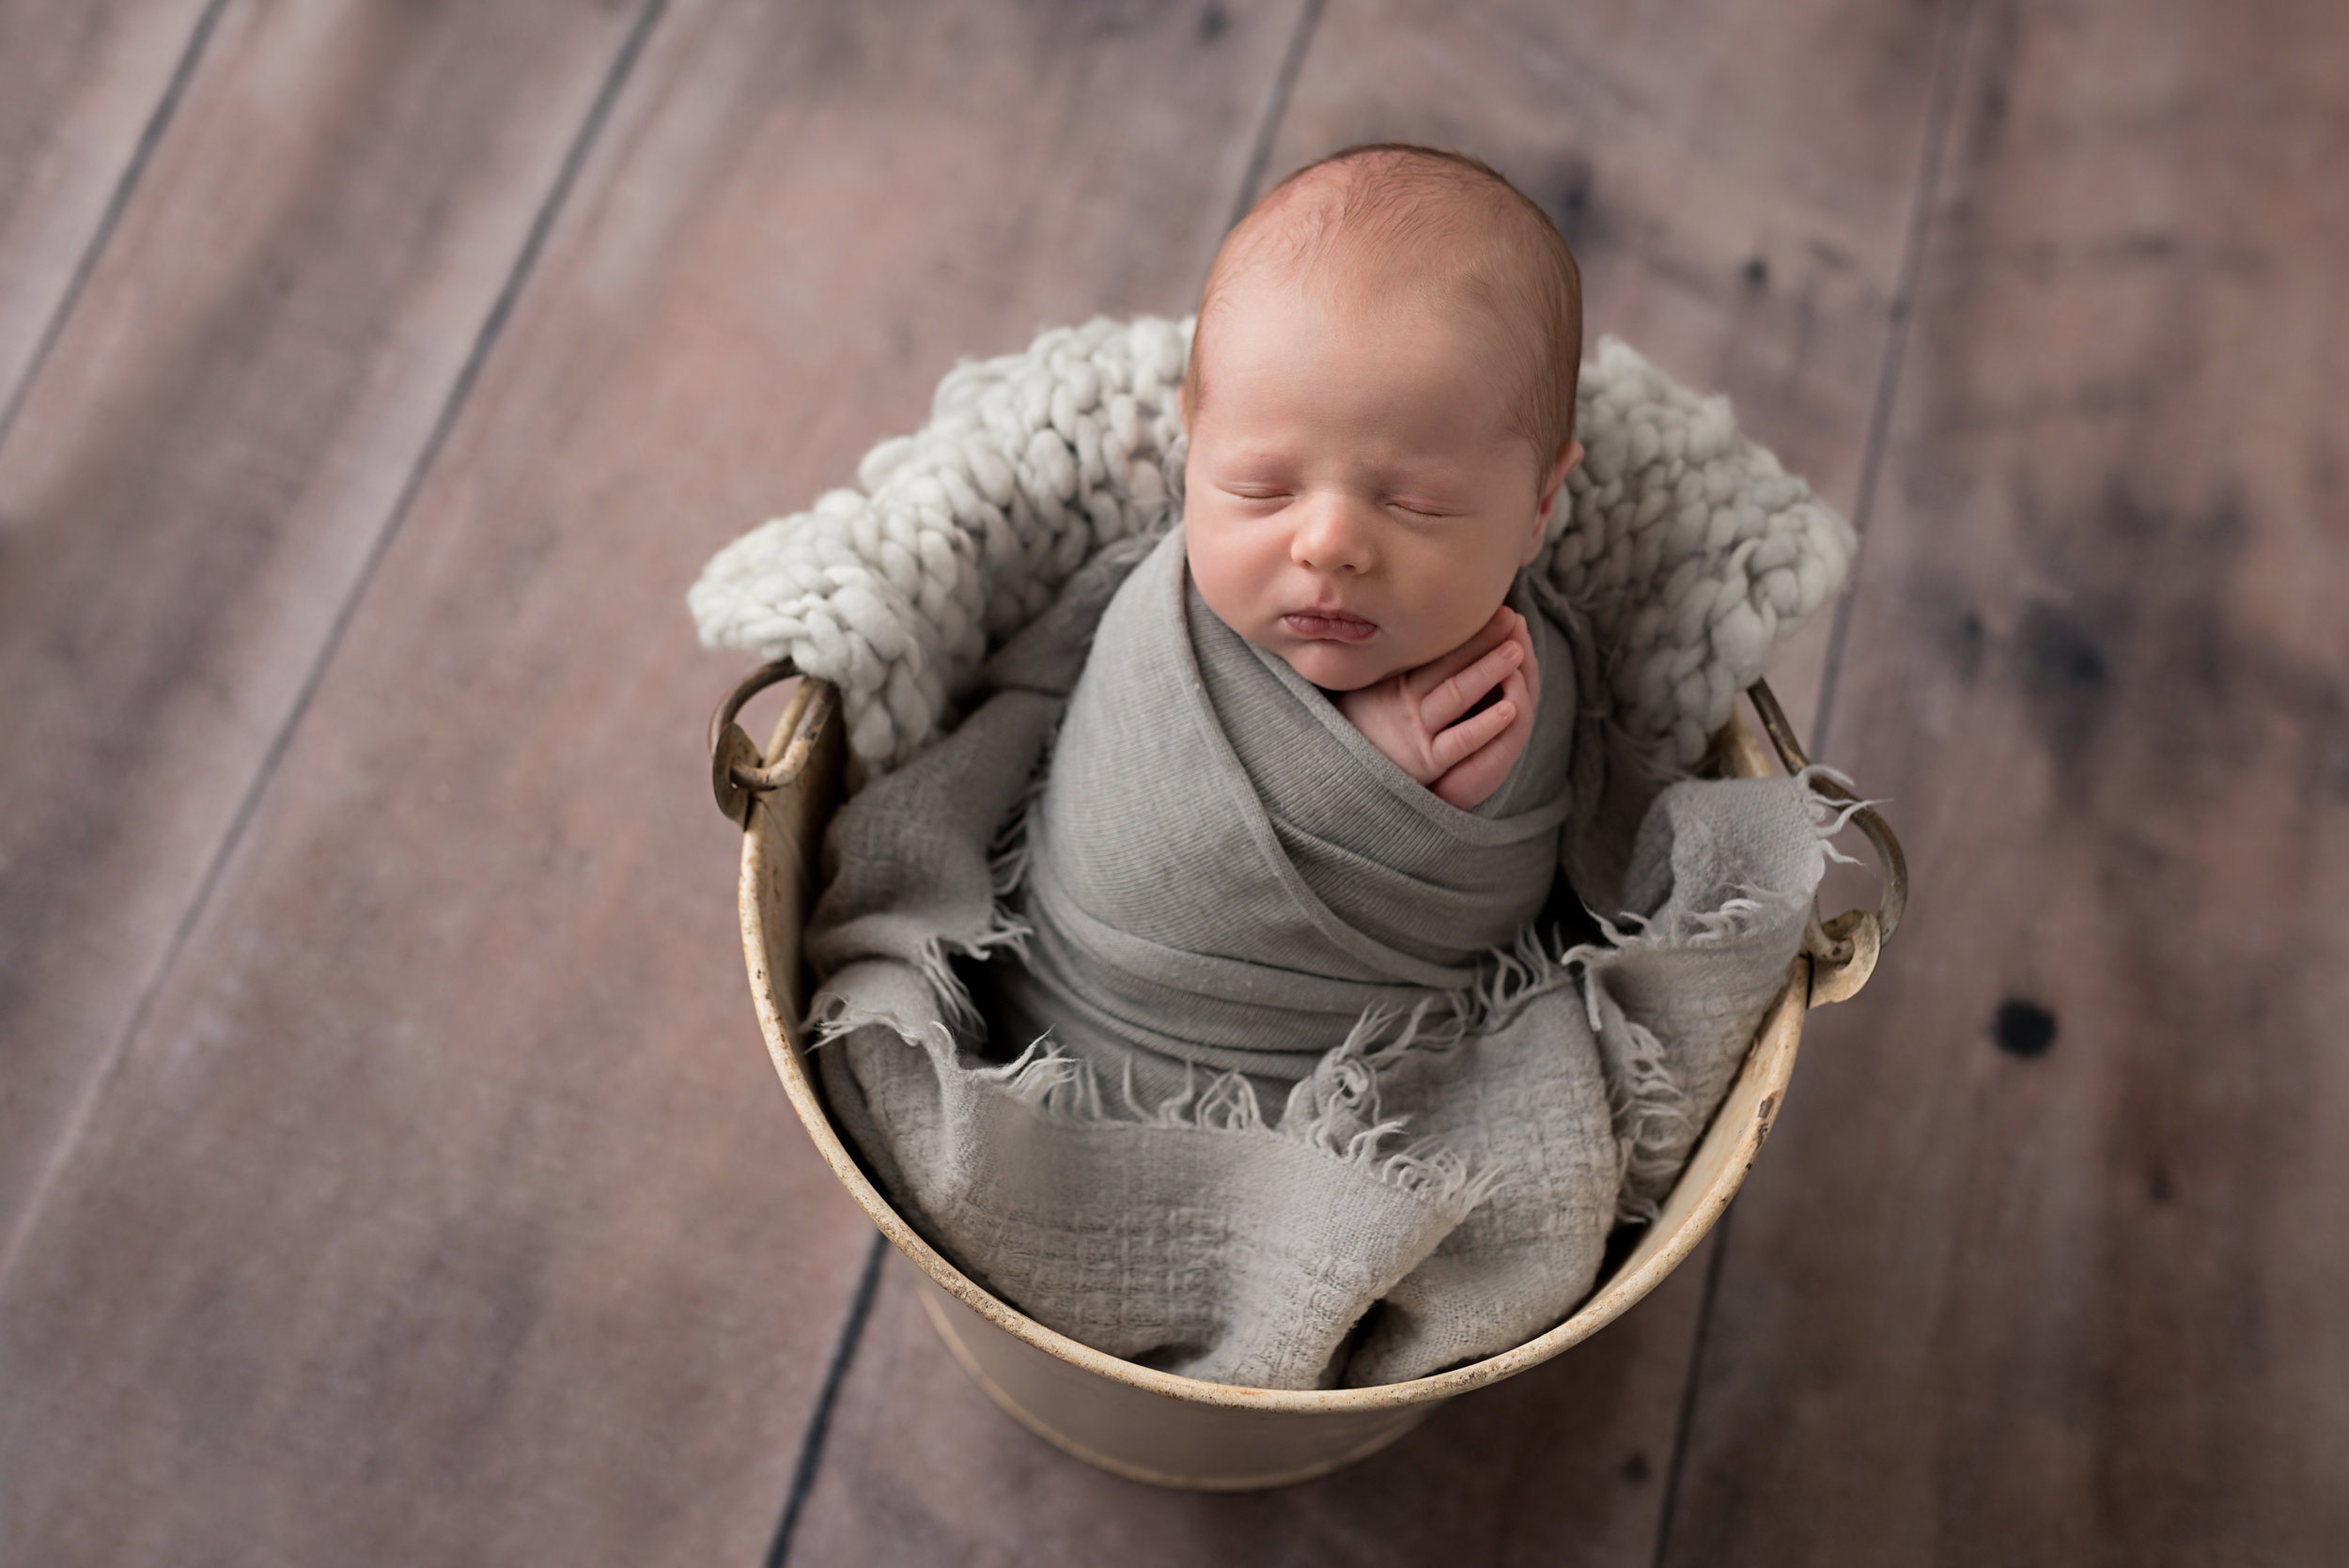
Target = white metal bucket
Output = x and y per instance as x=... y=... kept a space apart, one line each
x=1151 y=1426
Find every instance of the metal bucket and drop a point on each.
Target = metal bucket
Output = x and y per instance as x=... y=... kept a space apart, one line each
x=1151 y=1426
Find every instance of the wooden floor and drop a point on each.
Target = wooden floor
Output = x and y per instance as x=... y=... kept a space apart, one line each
x=390 y=1168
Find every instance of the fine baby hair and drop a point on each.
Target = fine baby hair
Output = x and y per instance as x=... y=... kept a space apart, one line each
x=1457 y=229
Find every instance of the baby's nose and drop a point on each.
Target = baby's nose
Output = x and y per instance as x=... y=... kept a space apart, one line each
x=1332 y=536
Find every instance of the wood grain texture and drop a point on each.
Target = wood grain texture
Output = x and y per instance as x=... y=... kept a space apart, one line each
x=79 y=87
x=1558 y=1465
x=2083 y=1306
x=445 y=1208
x=198 y=480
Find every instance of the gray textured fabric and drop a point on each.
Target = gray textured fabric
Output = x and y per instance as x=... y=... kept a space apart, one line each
x=1314 y=1103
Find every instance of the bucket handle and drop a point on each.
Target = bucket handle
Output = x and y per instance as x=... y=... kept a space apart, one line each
x=738 y=774
x=1844 y=950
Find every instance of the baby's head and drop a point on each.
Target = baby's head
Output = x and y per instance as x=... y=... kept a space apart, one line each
x=1380 y=404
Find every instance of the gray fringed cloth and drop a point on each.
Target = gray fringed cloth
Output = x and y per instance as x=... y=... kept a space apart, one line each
x=1316 y=1101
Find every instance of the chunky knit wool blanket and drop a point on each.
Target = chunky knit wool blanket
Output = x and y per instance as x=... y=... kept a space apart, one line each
x=1691 y=551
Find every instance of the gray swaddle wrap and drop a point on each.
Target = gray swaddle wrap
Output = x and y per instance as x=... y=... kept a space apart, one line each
x=1315 y=1104
x=1289 y=879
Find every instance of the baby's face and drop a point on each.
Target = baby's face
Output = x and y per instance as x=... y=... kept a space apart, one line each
x=1355 y=499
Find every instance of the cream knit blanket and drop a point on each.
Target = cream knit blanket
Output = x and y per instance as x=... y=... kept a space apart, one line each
x=1690 y=550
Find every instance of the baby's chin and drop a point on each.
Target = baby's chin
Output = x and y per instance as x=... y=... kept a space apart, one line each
x=1335 y=666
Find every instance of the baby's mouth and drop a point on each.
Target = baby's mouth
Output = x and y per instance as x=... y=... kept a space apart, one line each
x=1330 y=625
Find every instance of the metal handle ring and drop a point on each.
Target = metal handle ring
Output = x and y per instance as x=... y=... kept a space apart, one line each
x=1844 y=950
x=738 y=774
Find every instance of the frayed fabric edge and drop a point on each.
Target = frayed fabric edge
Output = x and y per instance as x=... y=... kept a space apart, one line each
x=1044 y=1077
x=1008 y=855
x=1053 y=1085
x=1646 y=1101
x=1513 y=976
x=1649 y=1104
x=832 y=1018
x=1830 y=817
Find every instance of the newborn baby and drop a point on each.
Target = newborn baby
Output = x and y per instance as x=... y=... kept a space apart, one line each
x=1378 y=404
x=1393 y=336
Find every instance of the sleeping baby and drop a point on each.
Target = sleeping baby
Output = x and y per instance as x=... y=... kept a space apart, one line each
x=1394 y=337
x=1379 y=402
x=1196 y=993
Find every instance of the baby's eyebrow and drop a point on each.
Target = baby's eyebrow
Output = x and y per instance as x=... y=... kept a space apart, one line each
x=1257 y=463
x=1436 y=477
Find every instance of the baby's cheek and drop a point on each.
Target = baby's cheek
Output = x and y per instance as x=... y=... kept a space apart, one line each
x=1212 y=574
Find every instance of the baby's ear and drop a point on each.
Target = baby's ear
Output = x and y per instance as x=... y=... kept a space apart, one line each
x=1553 y=486
x=1569 y=461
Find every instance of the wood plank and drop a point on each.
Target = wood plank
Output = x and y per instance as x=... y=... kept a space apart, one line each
x=79 y=87
x=1676 y=147
x=197 y=482
x=1551 y=1467
x=2082 y=1305
x=444 y=1201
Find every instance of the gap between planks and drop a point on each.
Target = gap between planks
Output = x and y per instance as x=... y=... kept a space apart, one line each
x=1948 y=61
x=142 y=154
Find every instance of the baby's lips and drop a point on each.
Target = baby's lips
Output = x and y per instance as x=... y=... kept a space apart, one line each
x=1335 y=626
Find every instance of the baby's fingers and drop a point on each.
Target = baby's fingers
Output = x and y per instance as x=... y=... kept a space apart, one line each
x=1471 y=733
x=1456 y=695
x=1532 y=668
x=1470 y=782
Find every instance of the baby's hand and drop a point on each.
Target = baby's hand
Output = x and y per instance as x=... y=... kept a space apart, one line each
x=1420 y=720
